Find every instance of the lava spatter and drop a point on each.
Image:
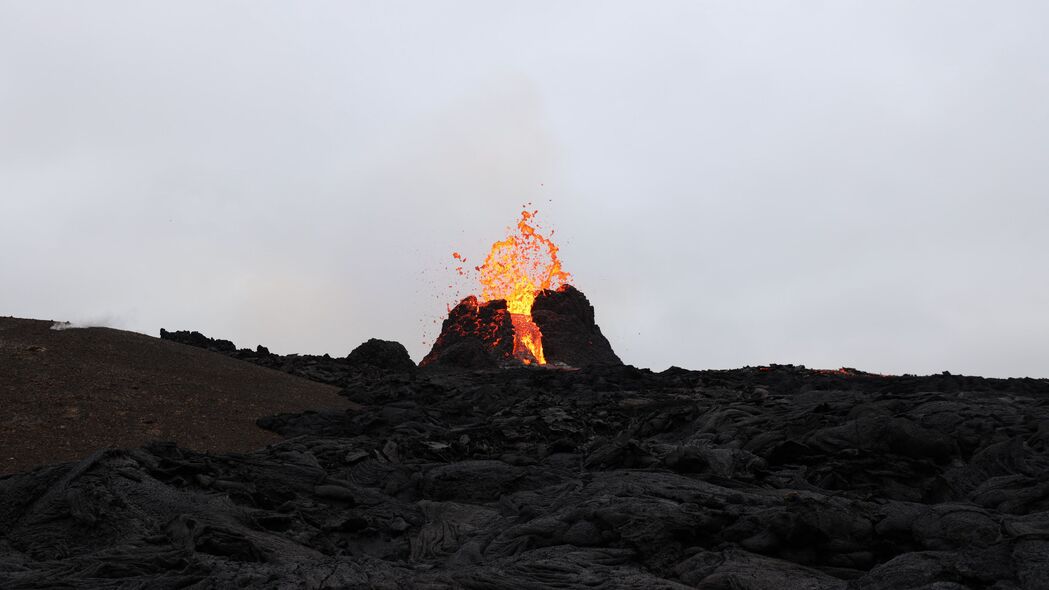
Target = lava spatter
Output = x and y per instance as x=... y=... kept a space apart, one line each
x=517 y=268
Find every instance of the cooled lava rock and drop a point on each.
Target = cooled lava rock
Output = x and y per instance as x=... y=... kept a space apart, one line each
x=570 y=336
x=374 y=357
x=474 y=336
x=382 y=354
x=611 y=477
x=481 y=335
x=198 y=340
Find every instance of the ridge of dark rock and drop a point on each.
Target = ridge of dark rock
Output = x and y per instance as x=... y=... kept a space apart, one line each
x=194 y=338
x=375 y=357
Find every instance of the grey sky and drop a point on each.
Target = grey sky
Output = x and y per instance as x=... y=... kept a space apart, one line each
x=828 y=183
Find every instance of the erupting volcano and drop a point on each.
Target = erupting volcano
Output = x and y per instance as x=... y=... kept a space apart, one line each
x=515 y=270
x=525 y=301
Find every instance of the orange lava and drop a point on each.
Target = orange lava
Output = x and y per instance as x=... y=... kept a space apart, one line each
x=516 y=269
x=528 y=340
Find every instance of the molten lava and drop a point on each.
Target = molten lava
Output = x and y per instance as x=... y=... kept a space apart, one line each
x=528 y=340
x=515 y=270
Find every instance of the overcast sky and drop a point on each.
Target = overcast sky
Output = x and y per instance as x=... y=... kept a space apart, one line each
x=830 y=183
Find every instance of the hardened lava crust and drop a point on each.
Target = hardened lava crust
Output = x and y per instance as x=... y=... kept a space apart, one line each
x=608 y=476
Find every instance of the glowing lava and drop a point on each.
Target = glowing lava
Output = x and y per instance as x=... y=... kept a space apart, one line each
x=515 y=270
x=528 y=340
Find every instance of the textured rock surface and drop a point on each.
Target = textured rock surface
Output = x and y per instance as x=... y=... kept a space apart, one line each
x=609 y=477
x=375 y=356
x=474 y=336
x=198 y=340
x=570 y=335
x=385 y=355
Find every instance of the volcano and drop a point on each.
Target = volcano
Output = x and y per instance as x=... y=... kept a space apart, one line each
x=521 y=454
x=528 y=313
x=560 y=325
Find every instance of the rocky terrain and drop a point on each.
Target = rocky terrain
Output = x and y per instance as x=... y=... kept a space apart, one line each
x=605 y=477
x=476 y=471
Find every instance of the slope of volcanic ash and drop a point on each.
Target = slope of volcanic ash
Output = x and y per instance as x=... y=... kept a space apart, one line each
x=64 y=393
x=764 y=478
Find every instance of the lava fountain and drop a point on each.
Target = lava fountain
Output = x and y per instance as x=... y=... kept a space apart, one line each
x=527 y=312
x=515 y=270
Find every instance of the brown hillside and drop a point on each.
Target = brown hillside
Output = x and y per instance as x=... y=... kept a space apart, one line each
x=64 y=394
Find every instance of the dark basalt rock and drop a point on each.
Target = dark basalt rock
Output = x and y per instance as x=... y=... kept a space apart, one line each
x=610 y=477
x=570 y=336
x=198 y=340
x=373 y=359
x=474 y=336
x=382 y=354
